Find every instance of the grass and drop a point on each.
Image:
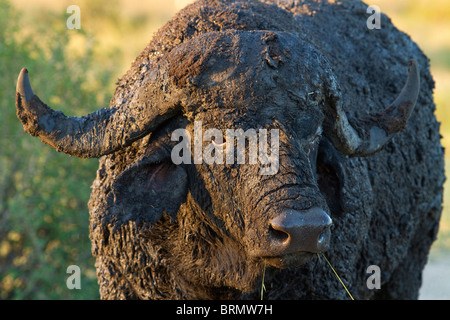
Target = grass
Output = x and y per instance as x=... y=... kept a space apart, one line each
x=263 y=287
x=335 y=273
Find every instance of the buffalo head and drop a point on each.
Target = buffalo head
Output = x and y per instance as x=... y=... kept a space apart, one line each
x=228 y=80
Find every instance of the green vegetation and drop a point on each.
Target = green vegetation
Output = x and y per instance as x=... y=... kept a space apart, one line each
x=44 y=220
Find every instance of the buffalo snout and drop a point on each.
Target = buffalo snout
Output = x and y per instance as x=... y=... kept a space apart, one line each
x=295 y=236
x=302 y=231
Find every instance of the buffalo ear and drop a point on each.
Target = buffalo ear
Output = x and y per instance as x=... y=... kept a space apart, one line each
x=147 y=190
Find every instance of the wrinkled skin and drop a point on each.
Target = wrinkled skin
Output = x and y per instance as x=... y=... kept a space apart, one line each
x=199 y=231
x=223 y=223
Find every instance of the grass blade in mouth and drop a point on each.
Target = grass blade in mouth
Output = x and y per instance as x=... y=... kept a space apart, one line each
x=337 y=276
x=263 y=287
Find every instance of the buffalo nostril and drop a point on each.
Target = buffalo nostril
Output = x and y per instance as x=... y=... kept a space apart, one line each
x=278 y=234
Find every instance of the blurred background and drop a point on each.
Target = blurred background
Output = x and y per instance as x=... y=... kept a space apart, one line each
x=44 y=220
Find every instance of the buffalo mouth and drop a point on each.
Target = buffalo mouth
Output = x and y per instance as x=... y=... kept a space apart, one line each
x=295 y=259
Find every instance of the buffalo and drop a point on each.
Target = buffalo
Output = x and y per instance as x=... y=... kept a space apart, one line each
x=359 y=165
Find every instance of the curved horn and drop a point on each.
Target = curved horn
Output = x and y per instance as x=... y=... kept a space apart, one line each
x=101 y=132
x=368 y=136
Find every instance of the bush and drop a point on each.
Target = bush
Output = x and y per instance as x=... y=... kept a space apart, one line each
x=44 y=219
